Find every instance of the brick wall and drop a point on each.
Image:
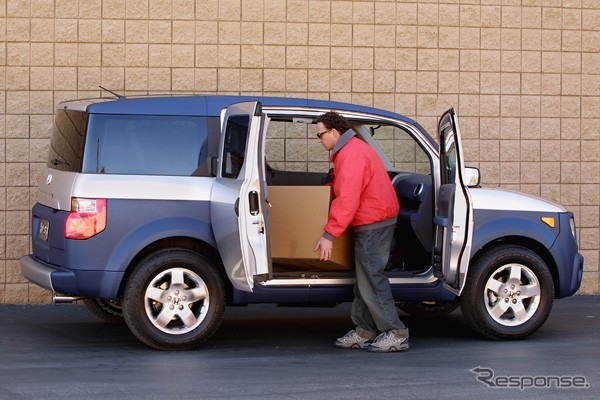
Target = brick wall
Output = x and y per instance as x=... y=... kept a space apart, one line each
x=523 y=74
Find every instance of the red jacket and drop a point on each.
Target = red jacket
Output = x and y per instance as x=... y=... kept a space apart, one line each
x=363 y=190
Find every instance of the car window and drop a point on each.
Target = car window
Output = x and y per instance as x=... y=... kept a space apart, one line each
x=147 y=145
x=66 y=144
x=401 y=149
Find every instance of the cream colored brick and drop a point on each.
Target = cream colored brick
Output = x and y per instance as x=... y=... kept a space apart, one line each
x=89 y=54
x=38 y=296
x=229 y=56
x=296 y=80
x=207 y=56
x=385 y=36
x=448 y=82
x=136 y=78
x=136 y=31
x=16 y=293
x=383 y=81
x=160 y=9
x=251 y=80
x=343 y=34
x=509 y=172
x=159 y=55
x=297 y=57
x=65 y=78
x=136 y=55
x=362 y=58
x=42 y=30
x=182 y=55
x=113 y=78
x=296 y=34
x=318 y=80
x=252 y=57
x=41 y=102
x=113 y=55
x=88 y=78
x=427 y=37
x=17 y=54
x=90 y=9
x=274 y=56
x=113 y=31
x=17 y=29
x=341 y=57
x=90 y=30
x=470 y=15
x=137 y=9
x=17 y=78
x=297 y=10
x=341 y=80
x=205 y=80
x=252 y=33
x=182 y=79
x=159 y=79
x=42 y=8
x=532 y=17
x=274 y=33
x=114 y=9
x=469 y=82
x=229 y=32
x=319 y=34
x=159 y=31
x=427 y=82
x=590 y=41
x=551 y=40
x=531 y=39
x=17 y=126
x=65 y=54
x=229 y=10
x=318 y=57
x=491 y=38
x=17 y=174
x=489 y=128
x=17 y=102
x=228 y=80
x=510 y=128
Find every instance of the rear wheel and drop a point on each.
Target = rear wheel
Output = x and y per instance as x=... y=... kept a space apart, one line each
x=174 y=300
x=106 y=310
x=508 y=294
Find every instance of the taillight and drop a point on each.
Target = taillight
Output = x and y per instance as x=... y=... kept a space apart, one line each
x=87 y=218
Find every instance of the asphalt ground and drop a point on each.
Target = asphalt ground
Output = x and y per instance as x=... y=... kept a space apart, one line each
x=265 y=352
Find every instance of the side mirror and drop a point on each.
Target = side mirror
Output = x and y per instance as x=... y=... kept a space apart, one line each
x=472 y=177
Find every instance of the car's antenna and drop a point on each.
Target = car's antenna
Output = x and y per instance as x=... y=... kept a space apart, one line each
x=113 y=93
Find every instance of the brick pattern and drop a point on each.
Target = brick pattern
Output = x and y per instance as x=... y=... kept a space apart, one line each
x=524 y=76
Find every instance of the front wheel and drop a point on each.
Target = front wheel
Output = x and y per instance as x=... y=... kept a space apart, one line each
x=174 y=300
x=508 y=293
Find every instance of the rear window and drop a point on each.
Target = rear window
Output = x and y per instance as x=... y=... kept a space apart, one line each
x=66 y=145
x=146 y=145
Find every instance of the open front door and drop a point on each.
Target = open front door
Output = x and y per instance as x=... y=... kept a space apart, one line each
x=454 y=216
x=238 y=212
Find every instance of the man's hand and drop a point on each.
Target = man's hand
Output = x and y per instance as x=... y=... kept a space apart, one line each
x=326 y=246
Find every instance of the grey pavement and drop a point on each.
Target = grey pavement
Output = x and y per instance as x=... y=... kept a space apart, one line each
x=266 y=352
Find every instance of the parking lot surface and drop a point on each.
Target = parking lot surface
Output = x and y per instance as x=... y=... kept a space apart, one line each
x=266 y=352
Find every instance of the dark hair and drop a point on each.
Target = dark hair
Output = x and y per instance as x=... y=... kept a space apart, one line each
x=333 y=120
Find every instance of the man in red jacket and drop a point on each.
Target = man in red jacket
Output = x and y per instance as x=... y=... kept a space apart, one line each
x=364 y=199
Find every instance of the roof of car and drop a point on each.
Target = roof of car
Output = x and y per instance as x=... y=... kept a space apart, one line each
x=211 y=105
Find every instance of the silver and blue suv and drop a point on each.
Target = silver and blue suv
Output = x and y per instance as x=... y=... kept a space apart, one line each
x=155 y=211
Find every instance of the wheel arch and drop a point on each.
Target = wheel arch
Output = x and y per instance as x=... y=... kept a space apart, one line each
x=180 y=242
x=525 y=242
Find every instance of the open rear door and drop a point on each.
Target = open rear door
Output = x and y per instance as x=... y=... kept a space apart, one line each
x=454 y=216
x=238 y=212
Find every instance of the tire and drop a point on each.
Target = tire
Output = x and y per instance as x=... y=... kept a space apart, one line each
x=428 y=308
x=508 y=293
x=174 y=300
x=107 y=310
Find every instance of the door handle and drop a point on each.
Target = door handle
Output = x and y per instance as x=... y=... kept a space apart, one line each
x=236 y=207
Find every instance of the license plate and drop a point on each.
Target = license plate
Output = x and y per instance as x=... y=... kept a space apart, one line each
x=43 y=231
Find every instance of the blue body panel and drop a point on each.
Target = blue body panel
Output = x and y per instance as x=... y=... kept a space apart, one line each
x=493 y=225
x=132 y=225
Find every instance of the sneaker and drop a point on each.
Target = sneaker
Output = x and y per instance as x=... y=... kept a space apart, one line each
x=352 y=340
x=388 y=342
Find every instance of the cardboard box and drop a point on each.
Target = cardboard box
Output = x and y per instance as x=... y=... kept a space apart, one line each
x=296 y=220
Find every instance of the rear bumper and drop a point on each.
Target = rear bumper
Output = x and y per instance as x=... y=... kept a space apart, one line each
x=47 y=276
